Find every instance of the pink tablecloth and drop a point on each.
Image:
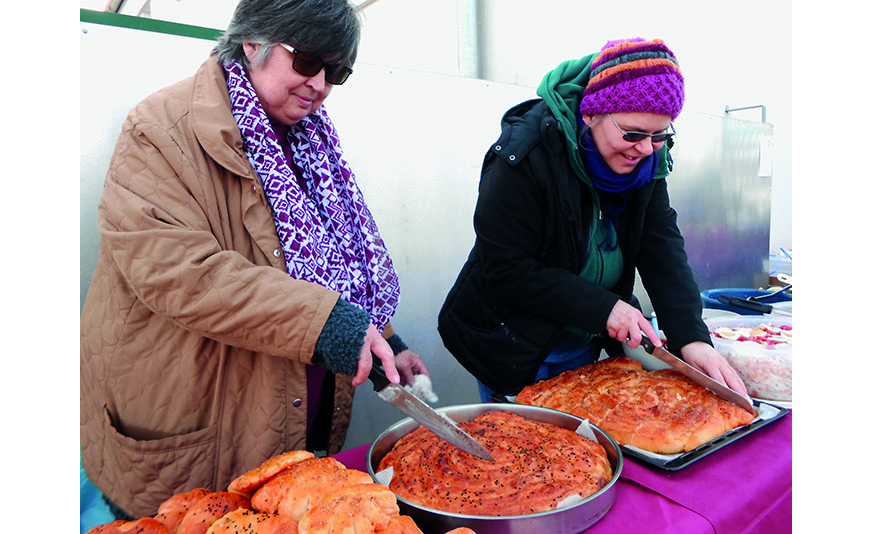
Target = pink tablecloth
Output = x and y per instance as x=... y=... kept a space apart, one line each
x=743 y=488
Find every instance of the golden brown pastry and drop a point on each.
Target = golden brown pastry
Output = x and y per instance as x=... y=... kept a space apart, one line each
x=245 y=521
x=662 y=411
x=461 y=530
x=209 y=509
x=360 y=509
x=250 y=481
x=173 y=510
x=537 y=465
x=146 y=525
x=297 y=489
x=401 y=525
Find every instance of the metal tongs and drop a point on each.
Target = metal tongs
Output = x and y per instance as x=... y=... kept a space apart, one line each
x=781 y=290
x=753 y=303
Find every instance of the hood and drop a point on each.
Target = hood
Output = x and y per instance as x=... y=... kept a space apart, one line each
x=561 y=89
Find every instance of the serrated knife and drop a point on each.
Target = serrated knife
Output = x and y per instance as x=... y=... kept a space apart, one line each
x=421 y=412
x=722 y=391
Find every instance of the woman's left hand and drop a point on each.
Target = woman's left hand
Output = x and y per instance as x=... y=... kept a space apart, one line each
x=705 y=358
x=410 y=364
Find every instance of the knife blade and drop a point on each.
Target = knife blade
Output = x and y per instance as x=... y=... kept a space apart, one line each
x=421 y=412
x=722 y=391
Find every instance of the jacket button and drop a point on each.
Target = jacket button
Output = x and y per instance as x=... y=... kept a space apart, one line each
x=277 y=253
x=298 y=403
x=512 y=157
x=498 y=148
x=254 y=188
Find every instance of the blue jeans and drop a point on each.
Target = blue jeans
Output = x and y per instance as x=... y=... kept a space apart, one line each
x=557 y=362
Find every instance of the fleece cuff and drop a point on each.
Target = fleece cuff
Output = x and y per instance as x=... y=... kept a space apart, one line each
x=338 y=346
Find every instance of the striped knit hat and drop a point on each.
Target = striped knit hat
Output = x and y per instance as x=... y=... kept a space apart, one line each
x=634 y=75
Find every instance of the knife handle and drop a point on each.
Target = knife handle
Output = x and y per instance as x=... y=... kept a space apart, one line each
x=377 y=375
x=647 y=344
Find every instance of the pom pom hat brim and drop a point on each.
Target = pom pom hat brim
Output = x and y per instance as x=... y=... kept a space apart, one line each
x=634 y=75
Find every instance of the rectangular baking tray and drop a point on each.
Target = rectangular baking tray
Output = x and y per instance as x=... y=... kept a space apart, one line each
x=677 y=462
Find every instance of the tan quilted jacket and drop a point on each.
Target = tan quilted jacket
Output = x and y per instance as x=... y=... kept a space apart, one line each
x=193 y=336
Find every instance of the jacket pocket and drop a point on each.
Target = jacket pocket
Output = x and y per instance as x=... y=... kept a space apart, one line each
x=139 y=475
x=502 y=357
x=503 y=351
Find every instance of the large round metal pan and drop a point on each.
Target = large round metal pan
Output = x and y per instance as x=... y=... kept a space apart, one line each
x=568 y=520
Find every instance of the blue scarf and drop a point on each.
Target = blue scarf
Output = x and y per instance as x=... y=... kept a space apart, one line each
x=616 y=187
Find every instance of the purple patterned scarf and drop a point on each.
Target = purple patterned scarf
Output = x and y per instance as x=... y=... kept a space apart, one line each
x=328 y=236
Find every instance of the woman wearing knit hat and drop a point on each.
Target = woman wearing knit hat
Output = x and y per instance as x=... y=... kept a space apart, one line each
x=572 y=201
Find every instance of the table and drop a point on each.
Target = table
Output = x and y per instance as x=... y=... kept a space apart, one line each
x=744 y=488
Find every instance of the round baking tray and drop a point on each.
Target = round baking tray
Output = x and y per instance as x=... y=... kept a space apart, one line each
x=568 y=520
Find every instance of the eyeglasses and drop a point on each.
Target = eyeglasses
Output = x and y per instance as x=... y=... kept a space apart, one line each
x=310 y=65
x=635 y=137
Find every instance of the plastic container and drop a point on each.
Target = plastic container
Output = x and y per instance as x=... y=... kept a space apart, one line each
x=767 y=370
x=710 y=299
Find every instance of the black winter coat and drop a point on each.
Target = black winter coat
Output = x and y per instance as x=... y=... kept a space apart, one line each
x=533 y=221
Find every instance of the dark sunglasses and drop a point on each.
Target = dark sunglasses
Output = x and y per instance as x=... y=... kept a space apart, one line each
x=310 y=65
x=635 y=137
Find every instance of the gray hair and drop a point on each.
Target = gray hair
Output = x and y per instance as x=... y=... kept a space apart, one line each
x=326 y=28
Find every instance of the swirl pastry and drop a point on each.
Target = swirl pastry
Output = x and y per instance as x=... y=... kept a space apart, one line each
x=661 y=411
x=537 y=465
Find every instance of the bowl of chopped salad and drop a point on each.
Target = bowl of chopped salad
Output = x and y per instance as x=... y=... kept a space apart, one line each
x=760 y=349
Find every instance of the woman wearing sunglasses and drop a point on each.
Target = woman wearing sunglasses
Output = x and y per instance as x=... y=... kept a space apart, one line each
x=572 y=202
x=242 y=288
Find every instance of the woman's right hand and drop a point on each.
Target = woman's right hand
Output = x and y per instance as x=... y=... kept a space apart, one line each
x=627 y=324
x=374 y=343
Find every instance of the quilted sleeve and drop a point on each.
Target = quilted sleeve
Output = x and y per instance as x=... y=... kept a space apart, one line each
x=160 y=219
